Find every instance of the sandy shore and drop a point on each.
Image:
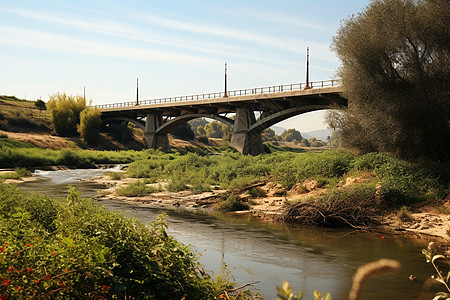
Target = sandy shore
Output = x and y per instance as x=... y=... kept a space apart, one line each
x=426 y=221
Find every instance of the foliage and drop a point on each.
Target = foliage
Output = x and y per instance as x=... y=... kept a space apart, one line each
x=214 y=130
x=74 y=249
x=135 y=189
x=65 y=113
x=431 y=257
x=17 y=174
x=404 y=215
x=40 y=105
x=183 y=131
x=90 y=123
x=291 y=134
x=115 y=175
x=396 y=76
x=285 y=293
x=21 y=154
x=231 y=203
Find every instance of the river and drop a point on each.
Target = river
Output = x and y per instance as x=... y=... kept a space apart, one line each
x=309 y=258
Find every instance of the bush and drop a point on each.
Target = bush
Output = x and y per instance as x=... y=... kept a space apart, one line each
x=90 y=123
x=65 y=113
x=135 y=189
x=75 y=249
x=232 y=203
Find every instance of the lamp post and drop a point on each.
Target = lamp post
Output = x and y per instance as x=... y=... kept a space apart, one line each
x=307 y=70
x=137 y=91
x=225 y=92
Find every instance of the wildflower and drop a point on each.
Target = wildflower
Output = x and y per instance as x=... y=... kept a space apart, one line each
x=17 y=253
x=61 y=284
x=28 y=245
x=64 y=270
x=6 y=282
x=1 y=249
x=54 y=253
x=36 y=281
x=10 y=269
x=4 y=297
x=6 y=244
x=20 y=271
x=37 y=239
x=29 y=270
x=104 y=287
x=48 y=277
x=19 y=288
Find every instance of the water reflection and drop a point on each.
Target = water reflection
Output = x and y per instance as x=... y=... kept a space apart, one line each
x=309 y=258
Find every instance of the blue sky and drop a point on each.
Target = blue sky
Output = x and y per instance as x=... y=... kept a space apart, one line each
x=174 y=47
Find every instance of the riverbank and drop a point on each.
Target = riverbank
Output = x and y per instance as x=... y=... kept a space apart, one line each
x=426 y=220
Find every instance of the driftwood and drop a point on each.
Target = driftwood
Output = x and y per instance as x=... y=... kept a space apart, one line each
x=336 y=213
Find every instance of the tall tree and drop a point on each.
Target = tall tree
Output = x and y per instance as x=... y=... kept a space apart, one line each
x=396 y=75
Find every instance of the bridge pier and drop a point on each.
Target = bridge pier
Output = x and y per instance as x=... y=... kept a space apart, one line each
x=245 y=141
x=152 y=139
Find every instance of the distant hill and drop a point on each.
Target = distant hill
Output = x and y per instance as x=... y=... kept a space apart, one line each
x=278 y=130
x=320 y=134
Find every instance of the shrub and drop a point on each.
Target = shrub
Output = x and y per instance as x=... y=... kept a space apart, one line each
x=65 y=113
x=90 y=123
x=232 y=203
x=75 y=249
x=135 y=189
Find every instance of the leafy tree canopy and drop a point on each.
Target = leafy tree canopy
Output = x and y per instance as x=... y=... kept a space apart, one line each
x=396 y=75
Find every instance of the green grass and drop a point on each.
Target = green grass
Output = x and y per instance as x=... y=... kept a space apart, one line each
x=21 y=154
x=135 y=189
x=402 y=183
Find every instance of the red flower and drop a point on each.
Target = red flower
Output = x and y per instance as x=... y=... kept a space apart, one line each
x=10 y=269
x=6 y=282
x=1 y=249
x=37 y=239
x=54 y=253
x=61 y=284
x=20 y=271
x=29 y=270
x=64 y=270
x=19 y=288
x=36 y=281
x=28 y=245
x=6 y=244
x=17 y=253
x=48 y=277
x=4 y=297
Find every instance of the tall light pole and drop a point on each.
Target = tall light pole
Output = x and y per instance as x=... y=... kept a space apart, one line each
x=225 y=92
x=137 y=91
x=307 y=69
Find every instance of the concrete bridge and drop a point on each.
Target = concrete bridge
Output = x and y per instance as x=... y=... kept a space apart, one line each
x=253 y=109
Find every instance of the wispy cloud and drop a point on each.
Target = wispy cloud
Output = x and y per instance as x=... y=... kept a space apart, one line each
x=286 y=44
x=121 y=30
x=55 y=42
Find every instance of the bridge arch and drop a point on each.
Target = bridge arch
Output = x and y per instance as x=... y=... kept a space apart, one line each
x=138 y=123
x=169 y=125
x=282 y=115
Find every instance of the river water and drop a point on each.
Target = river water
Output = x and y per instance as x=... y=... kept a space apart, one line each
x=309 y=258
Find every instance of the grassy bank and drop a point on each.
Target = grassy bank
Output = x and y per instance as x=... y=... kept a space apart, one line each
x=397 y=182
x=20 y=154
x=74 y=249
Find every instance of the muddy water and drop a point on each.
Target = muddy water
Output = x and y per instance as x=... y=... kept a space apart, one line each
x=309 y=258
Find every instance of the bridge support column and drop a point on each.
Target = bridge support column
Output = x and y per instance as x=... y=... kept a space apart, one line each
x=152 y=139
x=244 y=141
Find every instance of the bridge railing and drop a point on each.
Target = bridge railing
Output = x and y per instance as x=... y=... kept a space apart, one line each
x=243 y=92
